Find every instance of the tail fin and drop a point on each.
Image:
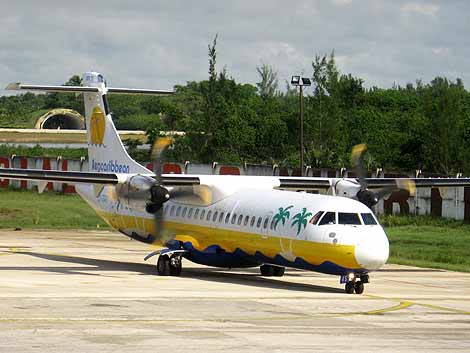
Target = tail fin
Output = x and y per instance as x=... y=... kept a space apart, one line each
x=106 y=153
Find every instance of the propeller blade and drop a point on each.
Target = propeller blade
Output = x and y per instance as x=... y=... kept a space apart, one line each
x=159 y=193
x=158 y=148
x=357 y=159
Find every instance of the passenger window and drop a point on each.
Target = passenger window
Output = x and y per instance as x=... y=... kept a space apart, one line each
x=184 y=212
x=315 y=218
x=240 y=219
x=328 y=218
x=265 y=225
x=208 y=218
x=214 y=218
x=172 y=211
x=348 y=218
x=227 y=217
x=253 y=220
x=368 y=219
x=190 y=213
x=272 y=224
x=196 y=213
x=247 y=218
x=203 y=212
x=221 y=217
x=234 y=218
x=258 y=224
x=178 y=211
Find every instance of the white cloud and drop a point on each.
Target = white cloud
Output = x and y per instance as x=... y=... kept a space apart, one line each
x=420 y=8
x=342 y=2
x=156 y=44
x=441 y=51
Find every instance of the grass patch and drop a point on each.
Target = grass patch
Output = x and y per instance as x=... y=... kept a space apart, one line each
x=30 y=210
x=428 y=242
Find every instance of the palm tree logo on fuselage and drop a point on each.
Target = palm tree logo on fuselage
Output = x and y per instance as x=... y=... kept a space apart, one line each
x=282 y=215
x=300 y=219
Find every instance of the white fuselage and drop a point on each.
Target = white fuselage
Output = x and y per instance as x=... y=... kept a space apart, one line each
x=248 y=215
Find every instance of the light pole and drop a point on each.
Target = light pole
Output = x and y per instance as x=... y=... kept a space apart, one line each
x=298 y=81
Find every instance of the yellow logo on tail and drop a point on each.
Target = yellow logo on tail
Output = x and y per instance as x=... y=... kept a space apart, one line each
x=97 y=126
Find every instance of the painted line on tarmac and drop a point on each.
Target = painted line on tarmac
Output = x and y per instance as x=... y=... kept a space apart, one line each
x=431 y=306
x=402 y=305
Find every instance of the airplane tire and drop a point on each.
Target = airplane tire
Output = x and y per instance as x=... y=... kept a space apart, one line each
x=349 y=288
x=175 y=266
x=266 y=270
x=278 y=271
x=163 y=265
x=359 y=287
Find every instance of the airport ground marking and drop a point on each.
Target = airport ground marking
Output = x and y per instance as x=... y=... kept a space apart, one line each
x=432 y=306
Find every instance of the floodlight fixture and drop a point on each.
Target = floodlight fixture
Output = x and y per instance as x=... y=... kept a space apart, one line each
x=295 y=81
x=306 y=81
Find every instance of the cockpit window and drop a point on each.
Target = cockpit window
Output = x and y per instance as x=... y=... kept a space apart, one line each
x=315 y=218
x=368 y=219
x=348 y=218
x=328 y=218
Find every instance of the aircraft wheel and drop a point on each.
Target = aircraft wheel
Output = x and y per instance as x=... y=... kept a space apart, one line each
x=175 y=265
x=163 y=265
x=349 y=288
x=359 y=287
x=278 y=271
x=266 y=270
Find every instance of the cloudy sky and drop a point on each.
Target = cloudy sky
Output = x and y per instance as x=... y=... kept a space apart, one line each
x=156 y=44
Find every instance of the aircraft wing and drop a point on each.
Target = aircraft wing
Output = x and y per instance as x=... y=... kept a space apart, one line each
x=300 y=183
x=314 y=183
x=418 y=182
x=58 y=176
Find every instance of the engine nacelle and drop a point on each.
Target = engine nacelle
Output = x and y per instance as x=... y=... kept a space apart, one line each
x=347 y=188
x=136 y=192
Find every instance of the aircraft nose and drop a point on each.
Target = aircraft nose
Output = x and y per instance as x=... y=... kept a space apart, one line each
x=372 y=252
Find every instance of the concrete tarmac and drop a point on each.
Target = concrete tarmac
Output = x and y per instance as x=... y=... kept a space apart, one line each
x=91 y=291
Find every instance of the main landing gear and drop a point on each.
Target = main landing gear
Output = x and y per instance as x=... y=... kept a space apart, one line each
x=271 y=270
x=169 y=265
x=355 y=284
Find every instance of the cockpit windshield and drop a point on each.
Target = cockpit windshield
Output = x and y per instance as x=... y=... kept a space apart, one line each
x=368 y=219
x=328 y=218
x=348 y=218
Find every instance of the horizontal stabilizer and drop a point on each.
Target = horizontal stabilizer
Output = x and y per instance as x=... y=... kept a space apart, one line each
x=79 y=89
x=21 y=87
x=155 y=92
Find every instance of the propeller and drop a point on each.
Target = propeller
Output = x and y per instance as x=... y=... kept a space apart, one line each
x=365 y=195
x=159 y=194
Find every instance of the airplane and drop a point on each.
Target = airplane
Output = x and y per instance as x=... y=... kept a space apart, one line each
x=227 y=221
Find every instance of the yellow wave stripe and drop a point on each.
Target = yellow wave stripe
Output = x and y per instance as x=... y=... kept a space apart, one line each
x=202 y=236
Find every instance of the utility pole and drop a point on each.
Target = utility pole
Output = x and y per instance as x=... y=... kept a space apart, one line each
x=301 y=82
